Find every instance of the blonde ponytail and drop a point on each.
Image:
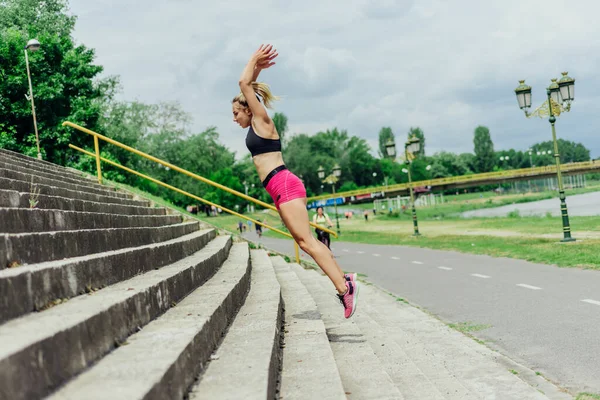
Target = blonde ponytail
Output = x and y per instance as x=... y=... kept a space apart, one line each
x=262 y=91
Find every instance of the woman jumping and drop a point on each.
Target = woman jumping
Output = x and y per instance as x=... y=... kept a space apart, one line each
x=286 y=189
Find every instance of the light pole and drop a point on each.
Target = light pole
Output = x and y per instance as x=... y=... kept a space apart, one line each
x=561 y=92
x=32 y=45
x=332 y=179
x=411 y=147
x=247 y=205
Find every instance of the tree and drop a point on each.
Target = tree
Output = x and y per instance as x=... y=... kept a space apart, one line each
x=385 y=134
x=418 y=132
x=449 y=164
x=485 y=158
x=304 y=154
x=64 y=79
x=280 y=121
x=569 y=151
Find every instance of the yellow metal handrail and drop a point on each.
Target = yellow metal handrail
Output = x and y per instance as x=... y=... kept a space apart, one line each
x=89 y=153
x=173 y=167
x=515 y=173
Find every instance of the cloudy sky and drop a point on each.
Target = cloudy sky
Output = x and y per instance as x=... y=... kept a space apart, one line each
x=445 y=66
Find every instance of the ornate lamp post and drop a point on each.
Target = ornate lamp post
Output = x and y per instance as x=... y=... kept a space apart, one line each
x=332 y=179
x=32 y=45
x=560 y=95
x=411 y=147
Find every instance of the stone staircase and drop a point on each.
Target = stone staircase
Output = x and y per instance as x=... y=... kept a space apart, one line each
x=103 y=296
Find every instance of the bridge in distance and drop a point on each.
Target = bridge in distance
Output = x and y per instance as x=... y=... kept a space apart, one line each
x=464 y=181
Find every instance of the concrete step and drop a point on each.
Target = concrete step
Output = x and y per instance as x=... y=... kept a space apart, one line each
x=250 y=353
x=362 y=374
x=34 y=179
x=35 y=287
x=457 y=366
x=48 y=190
x=41 y=351
x=15 y=199
x=19 y=220
x=406 y=375
x=13 y=156
x=309 y=368
x=30 y=248
x=26 y=168
x=162 y=360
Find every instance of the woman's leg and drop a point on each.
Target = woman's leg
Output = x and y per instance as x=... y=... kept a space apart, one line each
x=295 y=217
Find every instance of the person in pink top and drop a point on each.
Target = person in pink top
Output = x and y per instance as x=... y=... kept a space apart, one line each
x=249 y=109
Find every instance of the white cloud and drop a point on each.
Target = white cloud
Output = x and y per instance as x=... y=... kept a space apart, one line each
x=359 y=65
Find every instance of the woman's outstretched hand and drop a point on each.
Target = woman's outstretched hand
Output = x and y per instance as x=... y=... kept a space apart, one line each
x=264 y=56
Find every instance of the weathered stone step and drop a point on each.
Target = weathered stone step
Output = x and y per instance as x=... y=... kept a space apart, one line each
x=250 y=353
x=29 y=248
x=33 y=287
x=162 y=360
x=18 y=220
x=26 y=168
x=309 y=368
x=13 y=156
x=405 y=374
x=41 y=351
x=34 y=179
x=43 y=189
x=457 y=366
x=15 y=199
x=362 y=374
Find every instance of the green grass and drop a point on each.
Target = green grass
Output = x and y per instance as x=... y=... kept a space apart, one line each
x=587 y=396
x=540 y=225
x=512 y=371
x=468 y=327
x=583 y=254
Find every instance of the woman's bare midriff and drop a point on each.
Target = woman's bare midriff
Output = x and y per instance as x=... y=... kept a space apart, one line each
x=266 y=163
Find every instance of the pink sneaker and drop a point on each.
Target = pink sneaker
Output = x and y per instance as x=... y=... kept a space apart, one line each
x=348 y=299
x=351 y=277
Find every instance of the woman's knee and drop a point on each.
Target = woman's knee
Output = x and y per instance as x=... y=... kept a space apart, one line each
x=306 y=243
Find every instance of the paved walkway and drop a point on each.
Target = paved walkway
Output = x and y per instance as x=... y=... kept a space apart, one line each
x=541 y=316
x=578 y=205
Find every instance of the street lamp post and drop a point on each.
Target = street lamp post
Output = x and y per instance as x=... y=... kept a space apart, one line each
x=412 y=146
x=561 y=92
x=32 y=45
x=247 y=205
x=332 y=179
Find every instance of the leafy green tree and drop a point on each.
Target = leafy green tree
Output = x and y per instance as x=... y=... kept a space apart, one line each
x=385 y=134
x=65 y=80
x=485 y=158
x=304 y=154
x=569 y=152
x=418 y=132
x=446 y=164
x=281 y=124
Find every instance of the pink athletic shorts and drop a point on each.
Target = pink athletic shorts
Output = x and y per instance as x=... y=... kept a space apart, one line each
x=285 y=186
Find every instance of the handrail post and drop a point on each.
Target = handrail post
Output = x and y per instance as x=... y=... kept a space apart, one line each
x=297 y=252
x=98 y=168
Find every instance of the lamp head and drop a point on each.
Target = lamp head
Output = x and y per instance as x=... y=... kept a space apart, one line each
x=523 y=93
x=33 y=45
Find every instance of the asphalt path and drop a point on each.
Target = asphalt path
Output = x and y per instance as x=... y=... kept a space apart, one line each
x=578 y=205
x=544 y=317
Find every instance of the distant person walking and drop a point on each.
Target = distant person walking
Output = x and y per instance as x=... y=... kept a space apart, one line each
x=322 y=218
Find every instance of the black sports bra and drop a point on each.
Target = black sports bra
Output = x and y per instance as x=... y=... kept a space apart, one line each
x=258 y=145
